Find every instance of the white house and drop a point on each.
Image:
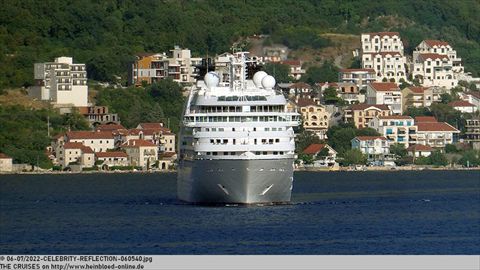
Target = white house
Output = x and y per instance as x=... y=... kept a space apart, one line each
x=463 y=106
x=472 y=97
x=115 y=158
x=375 y=147
x=328 y=160
x=359 y=76
x=419 y=150
x=99 y=141
x=76 y=153
x=296 y=71
x=442 y=48
x=385 y=93
x=62 y=82
x=5 y=163
x=396 y=128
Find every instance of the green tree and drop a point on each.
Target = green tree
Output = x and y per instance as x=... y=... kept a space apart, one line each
x=437 y=158
x=330 y=96
x=398 y=150
x=327 y=72
x=450 y=148
x=279 y=71
x=470 y=158
x=304 y=139
x=353 y=157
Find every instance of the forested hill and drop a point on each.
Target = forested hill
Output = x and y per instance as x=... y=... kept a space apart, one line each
x=105 y=34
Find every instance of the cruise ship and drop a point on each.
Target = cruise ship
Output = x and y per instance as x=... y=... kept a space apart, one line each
x=236 y=143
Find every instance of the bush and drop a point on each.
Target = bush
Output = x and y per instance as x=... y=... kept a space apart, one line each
x=438 y=159
x=470 y=158
x=450 y=148
x=353 y=157
x=422 y=161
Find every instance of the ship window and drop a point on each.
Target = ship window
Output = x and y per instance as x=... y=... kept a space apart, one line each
x=225 y=140
x=225 y=153
x=214 y=129
x=208 y=153
x=264 y=153
x=264 y=141
x=267 y=129
x=277 y=140
x=275 y=153
x=274 y=129
x=257 y=153
x=232 y=153
x=234 y=141
x=281 y=152
x=214 y=153
x=218 y=141
x=212 y=141
x=254 y=129
x=233 y=129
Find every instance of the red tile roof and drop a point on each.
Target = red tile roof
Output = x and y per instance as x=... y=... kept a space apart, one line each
x=433 y=56
x=383 y=54
x=439 y=43
x=313 y=148
x=384 y=86
x=111 y=154
x=301 y=85
x=364 y=106
x=87 y=150
x=438 y=126
x=3 y=156
x=109 y=127
x=382 y=34
x=138 y=143
x=369 y=138
x=292 y=62
x=396 y=117
x=461 y=103
x=150 y=125
x=417 y=89
x=303 y=102
x=168 y=154
x=419 y=147
x=89 y=135
x=73 y=145
x=425 y=119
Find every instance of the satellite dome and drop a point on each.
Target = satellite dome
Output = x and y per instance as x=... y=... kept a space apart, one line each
x=258 y=77
x=211 y=79
x=268 y=82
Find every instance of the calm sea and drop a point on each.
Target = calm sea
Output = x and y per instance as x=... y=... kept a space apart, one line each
x=427 y=212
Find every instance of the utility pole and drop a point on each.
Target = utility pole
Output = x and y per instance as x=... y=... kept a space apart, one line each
x=48 y=126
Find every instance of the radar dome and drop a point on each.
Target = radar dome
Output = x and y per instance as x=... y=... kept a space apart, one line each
x=258 y=77
x=211 y=79
x=268 y=82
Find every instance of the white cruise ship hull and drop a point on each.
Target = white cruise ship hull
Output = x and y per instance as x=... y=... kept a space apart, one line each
x=235 y=181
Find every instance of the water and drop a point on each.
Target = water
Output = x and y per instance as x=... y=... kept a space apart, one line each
x=428 y=212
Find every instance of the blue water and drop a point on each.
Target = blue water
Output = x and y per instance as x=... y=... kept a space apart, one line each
x=427 y=212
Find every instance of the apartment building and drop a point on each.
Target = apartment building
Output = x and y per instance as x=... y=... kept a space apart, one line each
x=396 y=128
x=61 y=82
x=383 y=52
x=141 y=153
x=359 y=76
x=418 y=96
x=375 y=147
x=441 y=48
x=315 y=116
x=385 y=93
x=472 y=132
x=433 y=69
x=296 y=71
x=153 y=67
x=362 y=114
x=471 y=97
x=435 y=134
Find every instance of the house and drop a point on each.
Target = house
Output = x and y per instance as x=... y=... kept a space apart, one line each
x=110 y=159
x=396 y=128
x=350 y=93
x=383 y=52
x=75 y=153
x=61 y=82
x=472 y=132
x=385 y=93
x=327 y=160
x=109 y=127
x=296 y=71
x=463 y=106
x=433 y=69
x=442 y=48
x=375 y=147
x=5 y=163
x=433 y=133
x=152 y=67
x=315 y=116
x=141 y=153
x=300 y=88
x=362 y=114
x=99 y=115
x=418 y=96
x=359 y=76
x=99 y=141
x=166 y=160
x=472 y=97
x=419 y=150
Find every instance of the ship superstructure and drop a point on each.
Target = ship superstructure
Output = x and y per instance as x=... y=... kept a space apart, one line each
x=236 y=142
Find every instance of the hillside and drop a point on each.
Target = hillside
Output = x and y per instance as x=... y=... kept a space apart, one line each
x=105 y=34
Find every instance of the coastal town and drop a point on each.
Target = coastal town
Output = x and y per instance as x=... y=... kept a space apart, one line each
x=393 y=111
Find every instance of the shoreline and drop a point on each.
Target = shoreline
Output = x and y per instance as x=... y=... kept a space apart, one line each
x=302 y=169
